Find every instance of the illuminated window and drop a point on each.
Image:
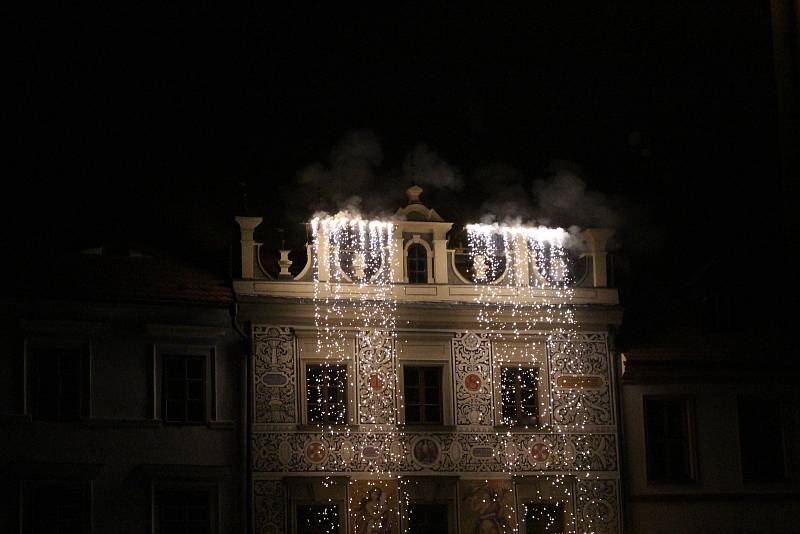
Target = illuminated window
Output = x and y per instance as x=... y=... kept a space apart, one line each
x=184 y=389
x=58 y=383
x=669 y=440
x=519 y=396
x=422 y=389
x=761 y=440
x=417 y=264
x=425 y=518
x=317 y=519
x=326 y=387
x=543 y=518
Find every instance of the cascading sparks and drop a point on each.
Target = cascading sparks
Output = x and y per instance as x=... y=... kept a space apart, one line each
x=525 y=296
x=355 y=312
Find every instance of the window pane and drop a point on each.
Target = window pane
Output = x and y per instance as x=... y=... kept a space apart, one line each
x=184 y=389
x=668 y=440
x=412 y=414
x=317 y=519
x=544 y=518
x=432 y=414
x=428 y=518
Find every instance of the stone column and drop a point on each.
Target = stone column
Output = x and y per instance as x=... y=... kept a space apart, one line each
x=596 y=239
x=440 y=257
x=247 y=225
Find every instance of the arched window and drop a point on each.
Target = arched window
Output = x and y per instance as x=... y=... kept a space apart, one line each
x=417 y=265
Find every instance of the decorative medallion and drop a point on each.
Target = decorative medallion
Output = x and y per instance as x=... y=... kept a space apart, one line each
x=370 y=452
x=376 y=382
x=316 y=452
x=473 y=382
x=540 y=452
x=471 y=341
x=284 y=452
x=482 y=452
x=426 y=451
x=346 y=452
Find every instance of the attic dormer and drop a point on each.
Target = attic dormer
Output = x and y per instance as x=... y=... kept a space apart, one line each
x=421 y=235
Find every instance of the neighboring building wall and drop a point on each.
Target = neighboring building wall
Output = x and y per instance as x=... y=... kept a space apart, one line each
x=121 y=448
x=718 y=500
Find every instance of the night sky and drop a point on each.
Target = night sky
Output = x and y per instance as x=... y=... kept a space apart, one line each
x=142 y=125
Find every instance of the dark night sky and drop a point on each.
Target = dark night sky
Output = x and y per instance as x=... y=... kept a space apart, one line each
x=142 y=123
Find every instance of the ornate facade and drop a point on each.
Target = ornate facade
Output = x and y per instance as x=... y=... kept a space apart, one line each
x=369 y=472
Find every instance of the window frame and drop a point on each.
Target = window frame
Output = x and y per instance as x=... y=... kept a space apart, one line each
x=31 y=346
x=29 y=487
x=785 y=476
x=418 y=349
x=165 y=380
x=306 y=388
x=420 y=369
x=416 y=239
x=180 y=484
x=527 y=352
x=517 y=423
x=163 y=350
x=691 y=442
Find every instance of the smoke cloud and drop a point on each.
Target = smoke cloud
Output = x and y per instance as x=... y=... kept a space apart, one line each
x=355 y=179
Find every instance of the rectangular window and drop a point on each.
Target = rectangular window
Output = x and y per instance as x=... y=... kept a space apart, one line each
x=422 y=390
x=541 y=518
x=761 y=440
x=519 y=396
x=56 y=509
x=425 y=518
x=184 y=389
x=669 y=440
x=183 y=512
x=417 y=264
x=326 y=387
x=317 y=519
x=57 y=383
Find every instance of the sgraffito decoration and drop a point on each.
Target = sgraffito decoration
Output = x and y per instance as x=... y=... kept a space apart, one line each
x=598 y=506
x=274 y=375
x=376 y=378
x=473 y=386
x=358 y=452
x=487 y=506
x=579 y=376
x=373 y=507
x=270 y=506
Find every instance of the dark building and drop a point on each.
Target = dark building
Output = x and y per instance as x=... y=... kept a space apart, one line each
x=119 y=398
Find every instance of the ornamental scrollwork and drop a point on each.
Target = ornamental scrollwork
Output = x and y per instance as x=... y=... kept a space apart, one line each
x=274 y=375
x=598 y=506
x=270 y=506
x=473 y=387
x=580 y=378
x=376 y=377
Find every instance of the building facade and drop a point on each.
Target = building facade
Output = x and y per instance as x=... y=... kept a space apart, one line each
x=444 y=423
x=119 y=399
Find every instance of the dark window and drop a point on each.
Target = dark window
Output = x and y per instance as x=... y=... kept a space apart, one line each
x=761 y=440
x=317 y=519
x=327 y=393
x=417 y=264
x=184 y=512
x=57 y=509
x=518 y=393
x=427 y=518
x=669 y=440
x=423 y=394
x=543 y=518
x=184 y=389
x=57 y=383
